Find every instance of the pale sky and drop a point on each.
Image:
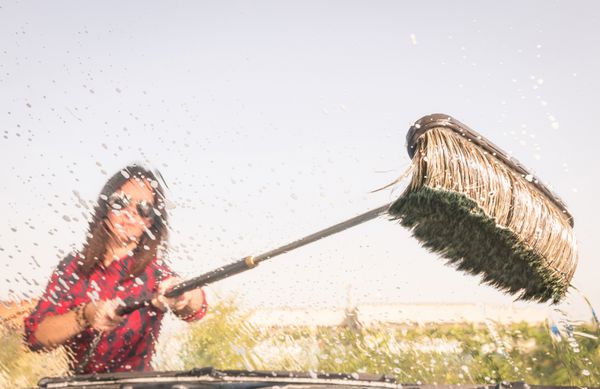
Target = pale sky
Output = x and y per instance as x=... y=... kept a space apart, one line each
x=272 y=119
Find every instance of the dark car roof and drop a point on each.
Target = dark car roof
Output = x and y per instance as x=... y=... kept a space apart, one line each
x=210 y=378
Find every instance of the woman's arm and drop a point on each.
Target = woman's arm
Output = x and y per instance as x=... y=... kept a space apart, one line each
x=53 y=310
x=56 y=330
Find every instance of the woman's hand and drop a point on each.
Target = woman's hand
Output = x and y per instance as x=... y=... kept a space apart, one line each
x=175 y=304
x=102 y=315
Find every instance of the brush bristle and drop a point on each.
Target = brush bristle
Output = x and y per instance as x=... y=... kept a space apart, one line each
x=486 y=219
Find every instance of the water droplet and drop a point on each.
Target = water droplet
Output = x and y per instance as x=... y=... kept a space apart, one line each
x=413 y=39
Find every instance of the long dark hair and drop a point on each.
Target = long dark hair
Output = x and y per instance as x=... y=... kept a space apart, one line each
x=99 y=236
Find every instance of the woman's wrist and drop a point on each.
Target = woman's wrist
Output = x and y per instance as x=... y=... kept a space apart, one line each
x=81 y=317
x=184 y=312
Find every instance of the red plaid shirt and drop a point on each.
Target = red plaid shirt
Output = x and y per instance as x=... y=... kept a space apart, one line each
x=131 y=345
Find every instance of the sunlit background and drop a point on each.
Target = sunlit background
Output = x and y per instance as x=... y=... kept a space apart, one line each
x=270 y=120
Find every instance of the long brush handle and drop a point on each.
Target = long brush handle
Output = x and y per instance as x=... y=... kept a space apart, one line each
x=251 y=262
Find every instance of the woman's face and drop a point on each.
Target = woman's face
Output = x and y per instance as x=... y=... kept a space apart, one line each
x=130 y=210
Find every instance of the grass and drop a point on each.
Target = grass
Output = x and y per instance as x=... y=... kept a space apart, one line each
x=433 y=354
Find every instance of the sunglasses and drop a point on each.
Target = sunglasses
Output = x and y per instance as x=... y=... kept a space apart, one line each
x=121 y=201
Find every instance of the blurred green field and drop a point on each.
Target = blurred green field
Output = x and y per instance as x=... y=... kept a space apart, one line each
x=433 y=354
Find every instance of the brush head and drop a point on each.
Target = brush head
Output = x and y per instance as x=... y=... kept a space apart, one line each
x=485 y=213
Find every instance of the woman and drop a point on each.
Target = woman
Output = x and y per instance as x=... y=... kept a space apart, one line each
x=118 y=263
